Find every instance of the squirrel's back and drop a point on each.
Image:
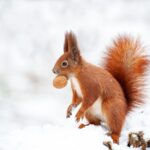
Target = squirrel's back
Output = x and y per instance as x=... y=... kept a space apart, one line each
x=126 y=61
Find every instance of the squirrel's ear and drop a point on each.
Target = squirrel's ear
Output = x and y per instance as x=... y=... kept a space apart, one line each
x=66 y=43
x=73 y=48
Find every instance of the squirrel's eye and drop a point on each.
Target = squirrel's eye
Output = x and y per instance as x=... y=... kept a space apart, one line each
x=64 y=64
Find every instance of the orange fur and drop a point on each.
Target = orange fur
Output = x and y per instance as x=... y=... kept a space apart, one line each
x=127 y=63
x=106 y=94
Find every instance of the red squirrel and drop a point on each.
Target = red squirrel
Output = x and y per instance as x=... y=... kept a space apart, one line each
x=108 y=93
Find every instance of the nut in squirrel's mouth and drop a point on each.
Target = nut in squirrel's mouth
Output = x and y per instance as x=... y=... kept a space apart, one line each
x=60 y=81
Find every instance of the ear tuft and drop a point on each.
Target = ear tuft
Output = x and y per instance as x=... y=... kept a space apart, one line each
x=66 y=43
x=73 y=47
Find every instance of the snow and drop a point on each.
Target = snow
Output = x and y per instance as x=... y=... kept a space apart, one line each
x=32 y=111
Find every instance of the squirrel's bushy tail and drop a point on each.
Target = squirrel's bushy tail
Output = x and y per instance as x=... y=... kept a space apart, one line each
x=126 y=61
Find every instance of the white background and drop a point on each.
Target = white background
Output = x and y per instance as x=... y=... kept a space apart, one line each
x=32 y=112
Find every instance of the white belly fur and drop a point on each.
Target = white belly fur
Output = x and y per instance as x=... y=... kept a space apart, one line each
x=76 y=86
x=96 y=108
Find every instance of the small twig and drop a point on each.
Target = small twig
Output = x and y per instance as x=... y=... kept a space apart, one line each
x=136 y=139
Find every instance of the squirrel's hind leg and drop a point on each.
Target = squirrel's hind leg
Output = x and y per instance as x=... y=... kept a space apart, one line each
x=81 y=126
x=115 y=112
x=92 y=120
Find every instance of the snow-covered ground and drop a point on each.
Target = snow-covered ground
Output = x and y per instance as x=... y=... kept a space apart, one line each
x=32 y=112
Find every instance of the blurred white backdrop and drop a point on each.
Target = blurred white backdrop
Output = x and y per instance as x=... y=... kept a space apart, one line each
x=31 y=40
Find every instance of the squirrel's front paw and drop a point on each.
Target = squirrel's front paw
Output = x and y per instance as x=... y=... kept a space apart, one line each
x=69 y=111
x=79 y=116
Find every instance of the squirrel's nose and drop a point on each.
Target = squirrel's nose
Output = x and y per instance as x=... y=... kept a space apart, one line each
x=55 y=71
